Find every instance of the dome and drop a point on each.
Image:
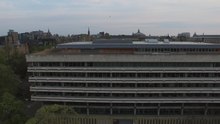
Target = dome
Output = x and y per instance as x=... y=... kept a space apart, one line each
x=139 y=34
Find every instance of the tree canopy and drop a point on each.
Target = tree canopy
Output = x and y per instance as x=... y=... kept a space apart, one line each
x=48 y=112
x=11 y=110
x=8 y=80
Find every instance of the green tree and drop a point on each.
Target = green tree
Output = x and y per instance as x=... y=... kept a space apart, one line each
x=2 y=56
x=11 y=110
x=35 y=48
x=13 y=71
x=56 y=109
x=32 y=121
x=49 y=112
x=8 y=80
x=18 y=64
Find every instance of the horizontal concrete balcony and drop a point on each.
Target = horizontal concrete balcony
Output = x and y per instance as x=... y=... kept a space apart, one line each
x=124 y=90
x=125 y=69
x=124 y=100
x=124 y=58
x=124 y=80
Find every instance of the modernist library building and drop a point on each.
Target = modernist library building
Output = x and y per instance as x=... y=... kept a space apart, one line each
x=120 y=77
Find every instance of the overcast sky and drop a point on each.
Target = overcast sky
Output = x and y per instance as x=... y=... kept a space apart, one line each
x=155 y=17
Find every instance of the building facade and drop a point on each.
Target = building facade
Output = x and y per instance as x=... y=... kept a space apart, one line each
x=206 y=38
x=150 y=78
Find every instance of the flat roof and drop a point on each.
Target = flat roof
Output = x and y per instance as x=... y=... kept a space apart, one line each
x=77 y=43
x=136 y=44
x=172 y=43
x=72 y=47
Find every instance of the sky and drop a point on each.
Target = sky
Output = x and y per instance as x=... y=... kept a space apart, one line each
x=152 y=17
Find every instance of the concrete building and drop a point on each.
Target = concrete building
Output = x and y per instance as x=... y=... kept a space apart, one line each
x=206 y=38
x=12 y=38
x=150 y=78
x=184 y=36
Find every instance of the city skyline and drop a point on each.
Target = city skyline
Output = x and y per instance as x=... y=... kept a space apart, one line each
x=159 y=17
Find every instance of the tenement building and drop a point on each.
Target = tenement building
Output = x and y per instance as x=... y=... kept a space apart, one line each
x=150 y=77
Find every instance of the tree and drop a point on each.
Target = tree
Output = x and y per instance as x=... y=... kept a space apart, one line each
x=56 y=109
x=32 y=121
x=2 y=57
x=13 y=71
x=11 y=110
x=38 y=48
x=8 y=80
x=18 y=64
x=49 y=112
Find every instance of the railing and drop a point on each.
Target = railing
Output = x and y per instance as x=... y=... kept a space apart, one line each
x=125 y=90
x=121 y=69
x=125 y=80
x=126 y=100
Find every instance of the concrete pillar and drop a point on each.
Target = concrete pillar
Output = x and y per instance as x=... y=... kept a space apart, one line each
x=206 y=109
x=182 y=109
x=158 y=110
x=111 y=109
x=87 y=108
x=185 y=75
x=61 y=64
x=161 y=74
x=208 y=94
x=135 y=109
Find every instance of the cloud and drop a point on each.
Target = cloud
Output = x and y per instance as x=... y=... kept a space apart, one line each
x=157 y=16
x=6 y=5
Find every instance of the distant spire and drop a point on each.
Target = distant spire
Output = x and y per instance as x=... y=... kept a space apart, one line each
x=88 y=31
x=194 y=34
x=48 y=31
x=139 y=31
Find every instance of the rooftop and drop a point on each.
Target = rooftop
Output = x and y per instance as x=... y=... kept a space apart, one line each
x=134 y=44
x=206 y=36
x=124 y=46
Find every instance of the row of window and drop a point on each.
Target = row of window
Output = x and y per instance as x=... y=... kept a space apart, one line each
x=161 y=50
x=176 y=50
x=126 y=85
x=121 y=111
x=153 y=105
x=129 y=95
x=122 y=75
x=124 y=64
